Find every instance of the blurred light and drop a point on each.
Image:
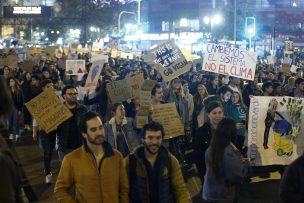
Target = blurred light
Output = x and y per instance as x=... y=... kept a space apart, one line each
x=46 y=39
x=37 y=28
x=60 y=41
x=294 y=4
x=128 y=26
x=217 y=19
x=206 y=20
x=42 y=33
x=106 y=39
x=250 y=31
x=92 y=29
x=140 y=32
x=183 y=22
x=52 y=31
x=57 y=32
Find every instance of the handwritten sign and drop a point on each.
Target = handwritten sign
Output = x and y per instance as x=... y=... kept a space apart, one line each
x=75 y=67
x=167 y=115
x=100 y=57
x=126 y=55
x=226 y=60
x=115 y=53
x=169 y=60
x=93 y=75
x=47 y=109
x=121 y=90
x=135 y=83
x=9 y=60
x=28 y=65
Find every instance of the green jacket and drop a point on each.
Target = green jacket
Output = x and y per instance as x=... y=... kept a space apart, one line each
x=171 y=185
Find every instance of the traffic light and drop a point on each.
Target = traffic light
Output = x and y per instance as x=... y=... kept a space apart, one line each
x=250 y=26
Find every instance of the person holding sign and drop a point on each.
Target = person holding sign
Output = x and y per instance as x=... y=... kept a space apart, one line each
x=95 y=170
x=155 y=174
x=48 y=140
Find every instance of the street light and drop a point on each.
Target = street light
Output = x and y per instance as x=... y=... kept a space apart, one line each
x=215 y=20
x=120 y=14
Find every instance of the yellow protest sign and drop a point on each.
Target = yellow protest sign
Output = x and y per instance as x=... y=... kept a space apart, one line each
x=167 y=115
x=48 y=110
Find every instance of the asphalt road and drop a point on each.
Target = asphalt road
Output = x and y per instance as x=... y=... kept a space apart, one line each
x=263 y=187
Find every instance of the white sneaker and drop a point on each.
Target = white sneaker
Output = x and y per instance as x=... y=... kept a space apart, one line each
x=49 y=178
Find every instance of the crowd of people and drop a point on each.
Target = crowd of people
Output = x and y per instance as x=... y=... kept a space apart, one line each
x=106 y=158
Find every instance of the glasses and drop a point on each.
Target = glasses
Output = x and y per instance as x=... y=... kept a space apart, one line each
x=72 y=94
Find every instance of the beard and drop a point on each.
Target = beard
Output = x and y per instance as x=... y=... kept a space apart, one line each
x=96 y=141
x=152 y=149
x=72 y=102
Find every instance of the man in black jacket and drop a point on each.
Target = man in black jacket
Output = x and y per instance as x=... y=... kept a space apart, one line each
x=68 y=136
x=292 y=183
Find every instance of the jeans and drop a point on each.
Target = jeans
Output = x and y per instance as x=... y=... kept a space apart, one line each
x=14 y=123
x=48 y=142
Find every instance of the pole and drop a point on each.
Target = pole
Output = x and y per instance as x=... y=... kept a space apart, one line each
x=138 y=12
x=250 y=43
x=234 y=30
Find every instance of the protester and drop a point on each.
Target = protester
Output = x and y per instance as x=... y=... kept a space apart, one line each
x=234 y=84
x=298 y=91
x=213 y=85
x=225 y=93
x=68 y=136
x=201 y=140
x=154 y=174
x=25 y=86
x=10 y=177
x=225 y=169
x=96 y=171
x=292 y=182
x=238 y=112
x=17 y=96
x=48 y=140
x=119 y=131
x=267 y=89
x=198 y=103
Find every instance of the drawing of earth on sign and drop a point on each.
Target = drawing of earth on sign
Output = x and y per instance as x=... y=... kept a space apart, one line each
x=94 y=72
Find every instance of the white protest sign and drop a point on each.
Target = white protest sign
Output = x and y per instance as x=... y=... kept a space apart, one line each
x=271 y=59
x=100 y=57
x=126 y=55
x=230 y=61
x=275 y=132
x=169 y=60
x=93 y=75
x=115 y=53
x=75 y=67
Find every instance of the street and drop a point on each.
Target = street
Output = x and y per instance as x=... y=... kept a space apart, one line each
x=261 y=189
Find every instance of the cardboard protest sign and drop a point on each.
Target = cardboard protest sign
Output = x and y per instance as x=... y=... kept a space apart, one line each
x=100 y=57
x=47 y=109
x=285 y=68
x=141 y=121
x=271 y=59
x=128 y=88
x=50 y=51
x=167 y=115
x=169 y=60
x=126 y=55
x=115 y=53
x=8 y=57
x=28 y=65
x=73 y=48
x=145 y=93
x=275 y=132
x=189 y=56
x=137 y=53
x=118 y=91
x=135 y=83
x=93 y=75
x=75 y=67
x=230 y=61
